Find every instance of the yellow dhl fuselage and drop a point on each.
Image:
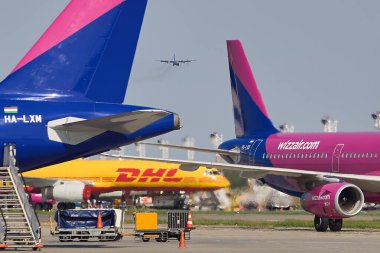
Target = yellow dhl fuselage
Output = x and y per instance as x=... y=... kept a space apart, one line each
x=126 y=175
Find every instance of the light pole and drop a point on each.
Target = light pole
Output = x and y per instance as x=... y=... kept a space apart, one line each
x=189 y=142
x=376 y=117
x=216 y=139
x=330 y=124
x=286 y=128
x=164 y=150
x=140 y=149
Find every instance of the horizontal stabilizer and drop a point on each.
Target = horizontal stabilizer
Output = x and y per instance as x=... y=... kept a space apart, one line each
x=71 y=130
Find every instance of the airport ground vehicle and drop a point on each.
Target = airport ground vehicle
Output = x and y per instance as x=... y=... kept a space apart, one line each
x=146 y=226
x=87 y=224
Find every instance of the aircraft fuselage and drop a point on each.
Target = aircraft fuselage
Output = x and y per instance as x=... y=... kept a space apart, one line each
x=349 y=153
x=25 y=124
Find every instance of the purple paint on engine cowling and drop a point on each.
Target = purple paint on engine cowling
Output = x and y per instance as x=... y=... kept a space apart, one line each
x=334 y=200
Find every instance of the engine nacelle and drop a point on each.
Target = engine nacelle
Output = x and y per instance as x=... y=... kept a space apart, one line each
x=68 y=191
x=334 y=200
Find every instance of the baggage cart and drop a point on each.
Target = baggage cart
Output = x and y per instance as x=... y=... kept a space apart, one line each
x=146 y=226
x=86 y=224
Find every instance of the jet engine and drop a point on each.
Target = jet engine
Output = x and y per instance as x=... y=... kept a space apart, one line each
x=68 y=191
x=334 y=200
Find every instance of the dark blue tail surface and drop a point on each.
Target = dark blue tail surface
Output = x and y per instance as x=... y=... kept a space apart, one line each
x=85 y=55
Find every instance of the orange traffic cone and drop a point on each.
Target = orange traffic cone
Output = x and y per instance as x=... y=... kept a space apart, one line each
x=189 y=224
x=38 y=246
x=182 y=244
x=100 y=222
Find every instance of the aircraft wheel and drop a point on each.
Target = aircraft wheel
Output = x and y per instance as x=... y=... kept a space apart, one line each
x=38 y=206
x=335 y=225
x=321 y=224
x=46 y=206
x=61 y=206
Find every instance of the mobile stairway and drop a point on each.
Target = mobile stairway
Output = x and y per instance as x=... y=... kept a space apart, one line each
x=19 y=225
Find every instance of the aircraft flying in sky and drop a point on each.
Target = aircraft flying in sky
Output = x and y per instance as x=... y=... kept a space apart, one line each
x=80 y=180
x=175 y=62
x=63 y=100
x=333 y=174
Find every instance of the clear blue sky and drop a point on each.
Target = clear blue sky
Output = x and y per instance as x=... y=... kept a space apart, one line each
x=310 y=58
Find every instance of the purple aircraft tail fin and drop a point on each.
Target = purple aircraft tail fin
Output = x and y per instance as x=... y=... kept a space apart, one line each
x=85 y=55
x=251 y=116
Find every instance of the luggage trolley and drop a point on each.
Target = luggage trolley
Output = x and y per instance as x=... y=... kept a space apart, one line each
x=83 y=224
x=146 y=226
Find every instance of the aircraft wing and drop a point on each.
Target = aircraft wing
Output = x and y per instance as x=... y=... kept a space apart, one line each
x=185 y=61
x=38 y=182
x=365 y=182
x=72 y=130
x=164 y=61
x=206 y=150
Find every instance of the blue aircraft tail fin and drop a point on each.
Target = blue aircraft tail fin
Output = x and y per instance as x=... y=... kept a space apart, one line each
x=251 y=117
x=85 y=55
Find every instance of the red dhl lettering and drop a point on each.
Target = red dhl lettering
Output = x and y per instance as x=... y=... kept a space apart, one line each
x=149 y=175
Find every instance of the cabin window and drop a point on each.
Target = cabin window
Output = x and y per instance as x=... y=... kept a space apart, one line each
x=354 y=155
x=317 y=155
x=371 y=155
x=376 y=155
x=350 y=155
x=326 y=155
x=366 y=155
x=342 y=155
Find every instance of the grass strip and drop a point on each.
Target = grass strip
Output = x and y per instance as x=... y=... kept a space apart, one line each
x=288 y=223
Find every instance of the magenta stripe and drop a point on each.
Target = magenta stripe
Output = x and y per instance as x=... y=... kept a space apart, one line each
x=241 y=67
x=76 y=15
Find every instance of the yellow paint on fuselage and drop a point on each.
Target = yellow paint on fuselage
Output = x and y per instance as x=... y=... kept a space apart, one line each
x=133 y=175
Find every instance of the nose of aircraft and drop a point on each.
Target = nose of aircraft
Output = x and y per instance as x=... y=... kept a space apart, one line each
x=224 y=182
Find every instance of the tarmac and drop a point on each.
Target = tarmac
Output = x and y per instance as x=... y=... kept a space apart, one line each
x=232 y=239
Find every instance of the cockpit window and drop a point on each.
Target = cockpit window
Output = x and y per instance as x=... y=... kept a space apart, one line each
x=211 y=172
